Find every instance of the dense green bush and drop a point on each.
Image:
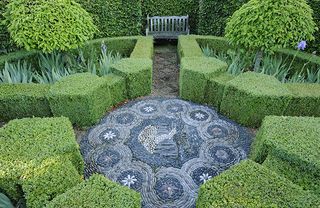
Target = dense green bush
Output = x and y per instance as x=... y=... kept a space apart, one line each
x=29 y=56
x=97 y=192
x=117 y=88
x=188 y=47
x=305 y=100
x=48 y=25
x=138 y=75
x=296 y=142
x=259 y=24
x=28 y=148
x=251 y=185
x=5 y=44
x=219 y=44
x=215 y=89
x=251 y=96
x=315 y=5
x=194 y=75
x=173 y=8
x=143 y=48
x=116 y=17
x=23 y=100
x=83 y=98
x=213 y=15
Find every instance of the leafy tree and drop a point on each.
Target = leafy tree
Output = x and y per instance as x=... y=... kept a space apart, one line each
x=48 y=25
x=266 y=25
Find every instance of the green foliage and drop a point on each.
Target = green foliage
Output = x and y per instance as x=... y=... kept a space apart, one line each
x=194 y=75
x=5 y=201
x=219 y=44
x=295 y=141
x=137 y=73
x=173 y=8
x=48 y=25
x=251 y=96
x=28 y=56
x=105 y=62
x=28 y=147
x=52 y=177
x=251 y=185
x=97 y=192
x=116 y=17
x=83 y=98
x=259 y=24
x=16 y=73
x=117 y=88
x=143 y=48
x=23 y=100
x=5 y=44
x=216 y=86
x=315 y=5
x=213 y=15
x=188 y=47
x=274 y=66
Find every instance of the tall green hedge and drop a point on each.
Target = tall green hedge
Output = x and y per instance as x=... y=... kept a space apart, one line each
x=315 y=5
x=116 y=17
x=172 y=8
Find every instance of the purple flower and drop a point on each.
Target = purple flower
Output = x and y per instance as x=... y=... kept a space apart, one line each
x=302 y=45
x=103 y=48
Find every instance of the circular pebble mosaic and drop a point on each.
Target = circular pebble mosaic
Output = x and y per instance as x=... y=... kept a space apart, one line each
x=164 y=149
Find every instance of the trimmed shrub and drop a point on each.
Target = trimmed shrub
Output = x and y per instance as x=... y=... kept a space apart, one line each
x=188 y=47
x=173 y=8
x=143 y=48
x=116 y=17
x=14 y=57
x=251 y=96
x=97 y=192
x=48 y=25
x=83 y=98
x=137 y=73
x=249 y=184
x=259 y=24
x=307 y=180
x=305 y=101
x=294 y=140
x=194 y=75
x=213 y=15
x=216 y=86
x=25 y=146
x=315 y=5
x=216 y=43
x=51 y=178
x=117 y=88
x=23 y=100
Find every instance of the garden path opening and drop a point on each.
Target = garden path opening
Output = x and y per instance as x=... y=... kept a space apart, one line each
x=165 y=69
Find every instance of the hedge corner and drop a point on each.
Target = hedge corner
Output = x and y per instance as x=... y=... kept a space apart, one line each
x=137 y=73
x=83 y=98
x=194 y=75
x=117 y=88
x=251 y=96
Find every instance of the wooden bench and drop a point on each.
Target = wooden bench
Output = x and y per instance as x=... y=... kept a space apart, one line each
x=167 y=27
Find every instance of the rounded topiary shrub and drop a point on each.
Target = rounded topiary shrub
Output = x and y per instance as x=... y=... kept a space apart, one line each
x=266 y=25
x=48 y=25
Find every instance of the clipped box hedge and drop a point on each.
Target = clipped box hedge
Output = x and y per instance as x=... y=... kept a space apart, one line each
x=251 y=96
x=217 y=43
x=188 y=47
x=83 y=98
x=97 y=192
x=215 y=89
x=143 y=48
x=34 y=155
x=194 y=75
x=137 y=73
x=117 y=88
x=251 y=185
x=23 y=100
x=296 y=142
x=305 y=101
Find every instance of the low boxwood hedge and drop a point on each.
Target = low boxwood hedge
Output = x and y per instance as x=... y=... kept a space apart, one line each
x=250 y=97
x=217 y=43
x=194 y=75
x=188 y=47
x=97 y=192
x=143 y=48
x=83 y=98
x=305 y=100
x=296 y=142
x=34 y=155
x=215 y=89
x=117 y=88
x=23 y=100
x=251 y=185
x=137 y=73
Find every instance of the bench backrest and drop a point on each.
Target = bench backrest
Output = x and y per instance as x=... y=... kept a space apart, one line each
x=167 y=26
